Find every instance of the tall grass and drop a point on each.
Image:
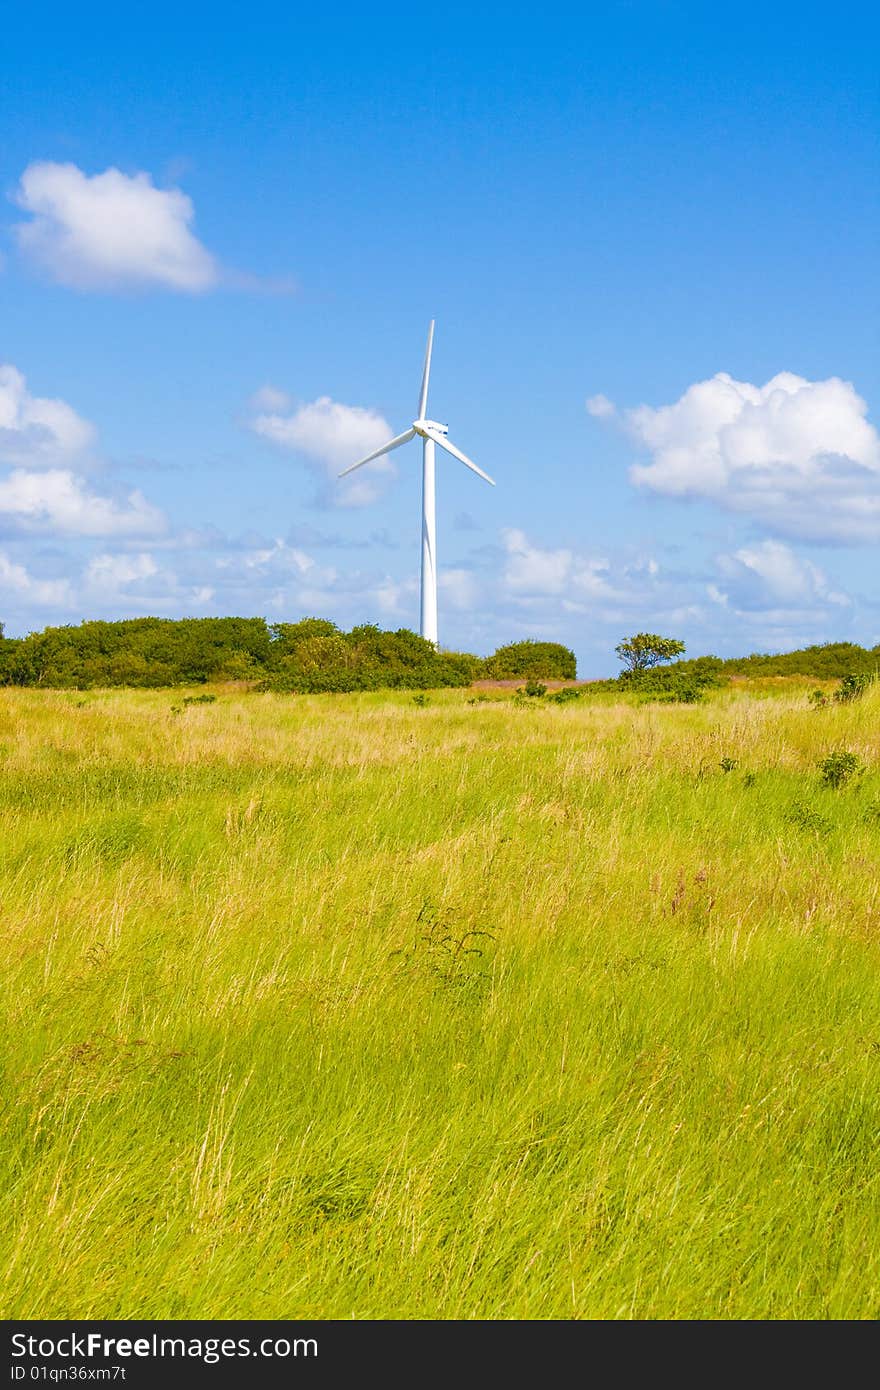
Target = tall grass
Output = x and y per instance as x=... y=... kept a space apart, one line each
x=346 y=1007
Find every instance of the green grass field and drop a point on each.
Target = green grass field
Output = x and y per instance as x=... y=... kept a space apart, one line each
x=341 y=1007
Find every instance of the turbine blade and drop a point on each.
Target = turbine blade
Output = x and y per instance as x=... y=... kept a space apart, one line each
x=394 y=443
x=457 y=454
x=423 y=397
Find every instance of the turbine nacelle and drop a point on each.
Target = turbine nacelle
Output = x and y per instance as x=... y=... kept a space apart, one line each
x=423 y=427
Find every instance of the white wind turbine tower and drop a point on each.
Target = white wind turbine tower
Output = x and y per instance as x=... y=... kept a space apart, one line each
x=431 y=433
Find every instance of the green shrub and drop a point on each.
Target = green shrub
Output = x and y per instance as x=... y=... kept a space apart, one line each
x=853 y=686
x=542 y=660
x=148 y=652
x=830 y=661
x=286 y=637
x=309 y=656
x=668 y=685
x=567 y=694
x=840 y=767
x=806 y=817
x=680 y=692
x=827 y=661
x=240 y=666
x=319 y=661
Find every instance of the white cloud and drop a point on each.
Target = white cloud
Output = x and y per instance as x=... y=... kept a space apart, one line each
x=600 y=407
x=110 y=230
x=333 y=435
x=112 y=572
x=57 y=500
x=15 y=579
x=459 y=591
x=133 y=583
x=531 y=571
x=769 y=575
x=798 y=455
x=458 y=588
x=36 y=430
x=398 y=598
x=270 y=399
x=279 y=561
x=761 y=596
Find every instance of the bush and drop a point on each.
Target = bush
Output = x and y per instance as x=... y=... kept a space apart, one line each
x=367 y=658
x=831 y=661
x=310 y=656
x=309 y=663
x=680 y=692
x=840 y=767
x=567 y=693
x=8 y=648
x=853 y=686
x=669 y=685
x=241 y=666
x=138 y=651
x=828 y=661
x=286 y=637
x=541 y=660
x=806 y=817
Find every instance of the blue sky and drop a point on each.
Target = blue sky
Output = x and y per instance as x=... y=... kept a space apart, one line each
x=221 y=248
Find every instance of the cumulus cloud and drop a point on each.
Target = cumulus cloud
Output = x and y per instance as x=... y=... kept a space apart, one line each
x=797 y=455
x=58 y=501
x=270 y=399
x=43 y=440
x=459 y=591
x=531 y=571
x=458 y=588
x=37 y=430
x=559 y=591
x=112 y=572
x=278 y=559
x=398 y=599
x=763 y=595
x=15 y=579
x=600 y=406
x=110 y=230
x=330 y=435
x=770 y=575
x=760 y=596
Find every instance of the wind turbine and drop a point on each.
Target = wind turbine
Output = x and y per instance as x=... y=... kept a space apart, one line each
x=431 y=433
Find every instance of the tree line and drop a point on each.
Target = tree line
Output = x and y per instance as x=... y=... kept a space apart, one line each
x=315 y=655
x=650 y=671
x=303 y=657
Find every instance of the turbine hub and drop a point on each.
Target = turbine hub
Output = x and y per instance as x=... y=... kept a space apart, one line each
x=419 y=427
